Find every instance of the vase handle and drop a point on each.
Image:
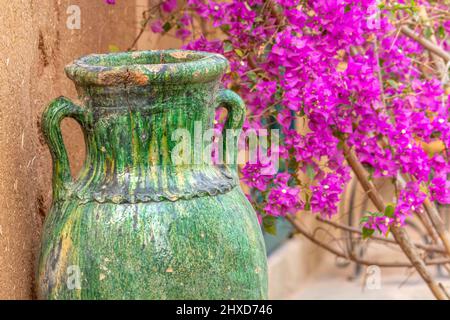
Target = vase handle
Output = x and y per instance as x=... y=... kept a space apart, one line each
x=233 y=125
x=57 y=110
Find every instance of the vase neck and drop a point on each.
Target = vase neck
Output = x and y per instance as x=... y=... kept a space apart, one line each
x=149 y=142
x=140 y=126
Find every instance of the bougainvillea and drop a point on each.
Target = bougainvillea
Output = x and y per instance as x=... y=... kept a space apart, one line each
x=345 y=67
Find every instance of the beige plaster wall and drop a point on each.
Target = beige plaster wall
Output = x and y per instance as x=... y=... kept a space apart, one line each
x=35 y=44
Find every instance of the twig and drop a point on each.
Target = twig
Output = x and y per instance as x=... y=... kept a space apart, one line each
x=437 y=222
x=144 y=25
x=424 y=218
x=438 y=61
x=279 y=18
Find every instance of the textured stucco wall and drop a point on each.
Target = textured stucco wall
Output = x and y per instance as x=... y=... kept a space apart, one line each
x=35 y=44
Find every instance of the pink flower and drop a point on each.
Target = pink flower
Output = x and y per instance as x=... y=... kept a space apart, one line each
x=282 y=198
x=379 y=222
x=183 y=33
x=410 y=201
x=253 y=176
x=157 y=27
x=440 y=190
x=185 y=20
x=326 y=195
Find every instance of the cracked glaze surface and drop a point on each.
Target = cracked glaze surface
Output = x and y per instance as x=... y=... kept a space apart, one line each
x=134 y=225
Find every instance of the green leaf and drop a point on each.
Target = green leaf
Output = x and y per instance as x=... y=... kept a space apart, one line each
x=424 y=188
x=428 y=32
x=113 y=48
x=364 y=219
x=367 y=233
x=270 y=225
x=371 y=171
x=239 y=52
x=370 y=214
x=252 y=76
x=307 y=206
x=225 y=27
x=441 y=32
x=392 y=83
x=310 y=173
x=227 y=46
x=307 y=202
x=259 y=19
x=271 y=229
x=376 y=214
x=389 y=210
x=167 y=26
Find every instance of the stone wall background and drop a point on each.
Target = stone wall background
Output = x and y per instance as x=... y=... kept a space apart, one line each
x=35 y=45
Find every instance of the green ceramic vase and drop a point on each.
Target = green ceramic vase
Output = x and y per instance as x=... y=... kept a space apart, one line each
x=136 y=224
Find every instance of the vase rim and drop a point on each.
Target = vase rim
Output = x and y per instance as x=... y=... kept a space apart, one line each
x=140 y=68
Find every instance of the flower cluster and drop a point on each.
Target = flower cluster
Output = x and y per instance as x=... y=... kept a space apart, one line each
x=343 y=68
x=283 y=199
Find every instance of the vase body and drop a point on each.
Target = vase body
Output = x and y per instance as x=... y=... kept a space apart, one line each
x=137 y=224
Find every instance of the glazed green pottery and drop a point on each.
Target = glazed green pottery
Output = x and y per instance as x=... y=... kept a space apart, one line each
x=136 y=224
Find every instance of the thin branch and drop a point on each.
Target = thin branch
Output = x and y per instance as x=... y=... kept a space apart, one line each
x=438 y=224
x=279 y=18
x=445 y=290
x=424 y=218
x=399 y=233
x=352 y=257
x=426 y=43
x=438 y=61
x=378 y=238
x=144 y=24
